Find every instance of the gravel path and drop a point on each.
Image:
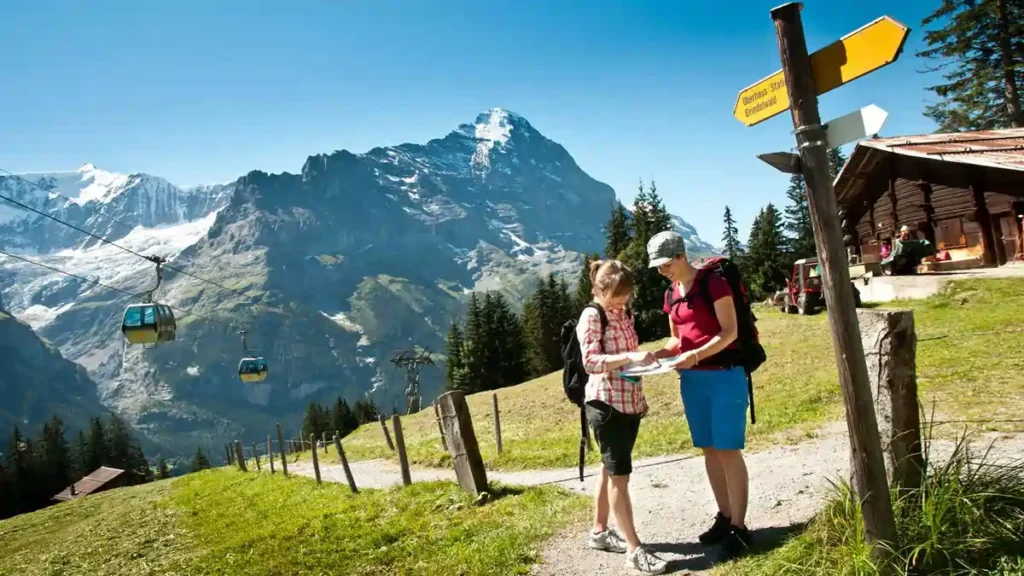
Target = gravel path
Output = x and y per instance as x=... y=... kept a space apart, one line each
x=672 y=502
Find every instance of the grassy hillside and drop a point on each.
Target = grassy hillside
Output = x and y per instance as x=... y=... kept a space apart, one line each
x=969 y=364
x=227 y=522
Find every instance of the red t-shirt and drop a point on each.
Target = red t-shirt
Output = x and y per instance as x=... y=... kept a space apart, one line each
x=695 y=322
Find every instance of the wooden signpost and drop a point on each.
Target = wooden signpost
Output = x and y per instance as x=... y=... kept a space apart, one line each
x=796 y=88
x=857 y=54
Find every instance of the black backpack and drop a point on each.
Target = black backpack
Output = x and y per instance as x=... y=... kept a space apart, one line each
x=574 y=376
x=749 y=354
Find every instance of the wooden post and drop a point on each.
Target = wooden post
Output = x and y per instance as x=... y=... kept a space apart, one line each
x=497 y=423
x=869 y=465
x=403 y=459
x=387 y=435
x=984 y=218
x=316 y=460
x=462 y=444
x=890 y=346
x=323 y=438
x=256 y=457
x=284 y=457
x=239 y=457
x=344 y=464
x=440 y=428
x=270 y=454
x=227 y=449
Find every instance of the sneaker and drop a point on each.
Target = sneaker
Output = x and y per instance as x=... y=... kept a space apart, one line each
x=720 y=529
x=609 y=541
x=644 y=562
x=736 y=544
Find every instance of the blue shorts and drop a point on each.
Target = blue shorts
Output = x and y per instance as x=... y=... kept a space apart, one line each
x=715 y=403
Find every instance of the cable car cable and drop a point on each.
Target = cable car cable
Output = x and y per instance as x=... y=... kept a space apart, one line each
x=116 y=245
x=102 y=285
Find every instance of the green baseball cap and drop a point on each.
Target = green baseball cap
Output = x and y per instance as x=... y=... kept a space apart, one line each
x=664 y=246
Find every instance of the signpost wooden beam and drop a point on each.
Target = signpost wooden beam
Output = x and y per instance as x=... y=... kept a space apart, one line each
x=869 y=465
x=858 y=53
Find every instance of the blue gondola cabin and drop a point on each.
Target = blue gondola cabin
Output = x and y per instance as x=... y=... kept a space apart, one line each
x=148 y=324
x=252 y=369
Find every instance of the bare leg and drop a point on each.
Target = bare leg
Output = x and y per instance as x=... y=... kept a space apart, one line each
x=622 y=507
x=718 y=478
x=601 y=502
x=738 y=482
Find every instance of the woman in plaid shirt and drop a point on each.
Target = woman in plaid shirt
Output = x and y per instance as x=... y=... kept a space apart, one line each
x=614 y=407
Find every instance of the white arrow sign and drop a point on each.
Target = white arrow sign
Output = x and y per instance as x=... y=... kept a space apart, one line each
x=856 y=125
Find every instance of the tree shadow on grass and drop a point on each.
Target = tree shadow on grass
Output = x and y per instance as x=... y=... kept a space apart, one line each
x=697 y=557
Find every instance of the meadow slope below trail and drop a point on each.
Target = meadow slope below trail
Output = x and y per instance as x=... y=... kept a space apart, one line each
x=671 y=499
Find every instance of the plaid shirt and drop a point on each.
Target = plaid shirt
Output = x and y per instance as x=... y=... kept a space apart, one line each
x=619 y=336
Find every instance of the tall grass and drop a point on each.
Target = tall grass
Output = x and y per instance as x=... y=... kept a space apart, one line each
x=967 y=518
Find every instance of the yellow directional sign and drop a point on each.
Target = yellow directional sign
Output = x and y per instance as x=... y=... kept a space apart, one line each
x=852 y=56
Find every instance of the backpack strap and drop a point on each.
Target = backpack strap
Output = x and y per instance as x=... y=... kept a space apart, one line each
x=705 y=290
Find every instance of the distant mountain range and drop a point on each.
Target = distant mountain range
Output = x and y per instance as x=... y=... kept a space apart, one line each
x=329 y=270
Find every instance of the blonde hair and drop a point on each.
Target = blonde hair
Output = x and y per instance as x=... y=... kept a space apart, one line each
x=610 y=279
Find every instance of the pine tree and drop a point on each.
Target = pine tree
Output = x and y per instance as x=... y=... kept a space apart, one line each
x=98 y=454
x=81 y=456
x=343 y=419
x=19 y=470
x=56 y=466
x=513 y=365
x=836 y=161
x=584 y=288
x=455 y=369
x=730 y=238
x=6 y=498
x=617 y=232
x=474 y=350
x=798 y=220
x=365 y=410
x=980 y=45
x=199 y=461
x=162 y=471
x=316 y=421
x=767 y=260
x=125 y=453
x=550 y=306
x=649 y=218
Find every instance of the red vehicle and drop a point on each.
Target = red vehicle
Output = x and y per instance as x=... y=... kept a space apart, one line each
x=804 y=292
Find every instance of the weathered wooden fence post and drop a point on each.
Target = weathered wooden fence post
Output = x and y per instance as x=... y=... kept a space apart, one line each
x=227 y=449
x=316 y=460
x=256 y=457
x=890 y=348
x=403 y=459
x=440 y=427
x=497 y=423
x=324 y=440
x=387 y=436
x=270 y=454
x=239 y=456
x=344 y=464
x=462 y=444
x=284 y=457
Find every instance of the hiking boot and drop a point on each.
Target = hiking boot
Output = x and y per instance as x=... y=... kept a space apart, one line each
x=643 y=562
x=720 y=529
x=609 y=541
x=736 y=544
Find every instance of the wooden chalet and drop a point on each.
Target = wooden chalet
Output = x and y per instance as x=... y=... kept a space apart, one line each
x=100 y=479
x=963 y=192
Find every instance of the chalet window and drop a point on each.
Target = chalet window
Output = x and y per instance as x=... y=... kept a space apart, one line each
x=950 y=234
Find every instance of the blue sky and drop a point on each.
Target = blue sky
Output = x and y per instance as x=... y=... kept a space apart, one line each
x=204 y=91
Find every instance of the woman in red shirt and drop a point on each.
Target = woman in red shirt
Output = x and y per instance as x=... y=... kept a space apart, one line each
x=614 y=407
x=713 y=390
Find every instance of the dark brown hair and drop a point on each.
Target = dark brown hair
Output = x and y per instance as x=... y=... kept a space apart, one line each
x=610 y=278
